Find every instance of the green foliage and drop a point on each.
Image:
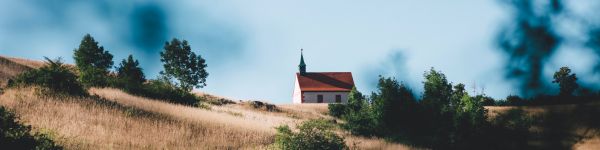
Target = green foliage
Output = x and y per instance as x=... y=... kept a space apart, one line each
x=184 y=65
x=437 y=90
x=54 y=75
x=337 y=110
x=312 y=134
x=486 y=100
x=93 y=62
x=393 y=104
x=164 y=90
x=445 y=118
x=355 y=102
x=129 y=75
x=566 y=81
x=360 y=122
x=14 y=135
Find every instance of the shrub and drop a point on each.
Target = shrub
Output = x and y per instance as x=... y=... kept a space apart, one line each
x=54 y=75
x=312 y=134
x=264 y=105
x=337 y=110
x=164 y=90
x=14 y=135
x=360 y=122
x=515 y=100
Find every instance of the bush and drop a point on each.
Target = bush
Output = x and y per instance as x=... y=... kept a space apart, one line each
x=54 y=75
x=312 y=134
x=337 y=110
x=164 y=90
x=264 y=106
x=13 y=135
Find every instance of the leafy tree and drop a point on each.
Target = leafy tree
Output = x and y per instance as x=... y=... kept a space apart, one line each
x=437 y=90
x=184 y=65
x=356 y=100
x=393 y=105
x=312 y=134
x=55 y=76
x=457 y=95
x=93 y=62
x=129 y=74
x=360 y=122
x=566 y=81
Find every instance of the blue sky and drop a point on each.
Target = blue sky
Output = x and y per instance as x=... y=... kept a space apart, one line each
x=253 y=47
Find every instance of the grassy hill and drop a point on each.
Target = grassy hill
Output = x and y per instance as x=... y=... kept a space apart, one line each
x=114 y=119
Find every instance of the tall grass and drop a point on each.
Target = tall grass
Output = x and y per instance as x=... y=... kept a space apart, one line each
x=89 y=123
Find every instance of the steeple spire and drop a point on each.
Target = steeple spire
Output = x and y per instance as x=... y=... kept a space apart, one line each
x=302 y=65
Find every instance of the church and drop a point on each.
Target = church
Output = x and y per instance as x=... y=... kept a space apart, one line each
x=321 y=87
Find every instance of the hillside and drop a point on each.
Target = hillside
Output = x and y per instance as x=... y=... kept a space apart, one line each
x=114 y=119
x=117 y=120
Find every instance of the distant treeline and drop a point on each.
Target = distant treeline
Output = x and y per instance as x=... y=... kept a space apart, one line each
x=447 y=117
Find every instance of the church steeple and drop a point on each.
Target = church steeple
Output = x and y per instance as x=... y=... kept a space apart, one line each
x=302 y=65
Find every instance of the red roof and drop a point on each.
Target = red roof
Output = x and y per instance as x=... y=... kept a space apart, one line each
x=325 y=81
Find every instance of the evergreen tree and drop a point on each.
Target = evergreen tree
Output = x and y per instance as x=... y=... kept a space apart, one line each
x=184 y=65
x=93 y=62
x=130 y=74
x=129 y=69
x=566 y=81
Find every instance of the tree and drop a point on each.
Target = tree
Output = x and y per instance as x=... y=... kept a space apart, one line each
x=356 y=100
x=437 y=90
x=184 y=65
x=129 y=69
x=566 y=81
x=393 y=106
x=129 y=74
x=93 y=62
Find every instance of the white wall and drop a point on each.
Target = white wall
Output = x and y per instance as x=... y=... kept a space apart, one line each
x=297 y=95
x=328 y=97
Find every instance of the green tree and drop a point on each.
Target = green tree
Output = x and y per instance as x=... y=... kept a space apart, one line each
x=566 y=81
x=129 y=74
x=184 y=65
x=393 y=106
x=93 y=62
x=129 y=69
x=356 y=100
x=437 y=90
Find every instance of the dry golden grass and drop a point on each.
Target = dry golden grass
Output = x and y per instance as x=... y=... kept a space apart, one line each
x=132 y=122
x=585 y=144
x=27 y=62
x=9 y=69
x=83 y=123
